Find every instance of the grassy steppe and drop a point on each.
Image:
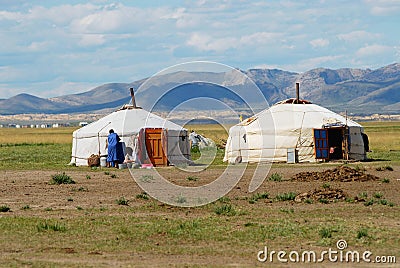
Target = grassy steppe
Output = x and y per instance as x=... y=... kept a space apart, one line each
x=51 y=148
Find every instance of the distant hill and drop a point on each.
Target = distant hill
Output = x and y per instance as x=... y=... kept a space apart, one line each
x=359 y=91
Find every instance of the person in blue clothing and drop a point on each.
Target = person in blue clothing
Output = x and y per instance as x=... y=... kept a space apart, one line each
x=113 y=148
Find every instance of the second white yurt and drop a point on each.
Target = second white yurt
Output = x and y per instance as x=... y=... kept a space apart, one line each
x=295 y=131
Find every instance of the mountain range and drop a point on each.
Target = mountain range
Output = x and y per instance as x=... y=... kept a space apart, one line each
x=359 y=91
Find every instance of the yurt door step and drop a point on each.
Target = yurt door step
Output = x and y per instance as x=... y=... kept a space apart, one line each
x=156 y=146
x=330 y=143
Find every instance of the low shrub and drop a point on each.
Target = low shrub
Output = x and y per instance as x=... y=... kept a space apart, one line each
x=4 y=208
x=61 y=178
x=275 y=177
x=286 y=196
x=383 y=168
x=362 y=233
x=255 y=197
x=325 y=233
x=122 y=201
x=225 y=209
x=142 y=196
x=369 y=202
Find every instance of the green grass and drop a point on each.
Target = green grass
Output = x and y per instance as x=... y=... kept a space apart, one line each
x=225 y=209
x=35 y=156
x=56 y=227
x=384 y=142
x=50 y=149
x=191 y=232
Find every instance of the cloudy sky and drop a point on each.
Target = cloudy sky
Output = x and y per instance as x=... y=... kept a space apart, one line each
x=55 y=47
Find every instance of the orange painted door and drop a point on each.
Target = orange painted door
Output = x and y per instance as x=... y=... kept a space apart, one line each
x=155 y=146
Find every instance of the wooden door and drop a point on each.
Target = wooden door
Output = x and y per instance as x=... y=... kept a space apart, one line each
x=321 y=144
x=156 y=146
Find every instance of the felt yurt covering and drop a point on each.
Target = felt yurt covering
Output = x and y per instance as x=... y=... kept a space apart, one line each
x=292 y=127
x=128 y=123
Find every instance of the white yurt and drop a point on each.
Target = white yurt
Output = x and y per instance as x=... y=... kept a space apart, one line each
x=166 y=142
x=295 y=131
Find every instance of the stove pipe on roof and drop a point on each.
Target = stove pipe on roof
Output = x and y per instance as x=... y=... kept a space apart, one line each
x=133 y=98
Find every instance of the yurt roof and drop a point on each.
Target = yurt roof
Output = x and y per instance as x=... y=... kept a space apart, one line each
x=125 y=122
x=287 y=113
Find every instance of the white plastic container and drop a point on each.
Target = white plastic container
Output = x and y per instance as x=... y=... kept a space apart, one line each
x=103 y=161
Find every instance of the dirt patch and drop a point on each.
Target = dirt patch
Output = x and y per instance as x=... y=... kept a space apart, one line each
x=341 y=174
x=323 y=196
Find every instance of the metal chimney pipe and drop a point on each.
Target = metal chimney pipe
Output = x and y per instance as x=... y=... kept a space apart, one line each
x=133 y=98
x=297 y=92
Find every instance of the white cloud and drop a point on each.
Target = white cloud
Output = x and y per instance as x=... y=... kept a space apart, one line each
x=92 y=40
x=261 y=38
x=205 y=42
x=312 y=63
x=383 y=7
x=13 y=16
x=373 y=50
x=319 y=42
x=358 y=36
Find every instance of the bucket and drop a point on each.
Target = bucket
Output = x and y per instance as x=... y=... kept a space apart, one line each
x=103 y=161
x=122 y=166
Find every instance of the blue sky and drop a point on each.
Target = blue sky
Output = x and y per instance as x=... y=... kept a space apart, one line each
x=52 y=48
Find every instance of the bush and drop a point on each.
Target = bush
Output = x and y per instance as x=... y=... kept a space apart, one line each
x=326 y=186
x=275 y=177
x=383 y=202
x=362 y=233
x=122 y=201
x=286 y=196
x=325 y=233
x=308 y=201
x=61 y=178
x=142 y=196
x=383 y=168
x=255 y=197
x=323 y=201
x=363 y=195
x=369 y=202
x=190 y=178
x=225 y=209
x=4 y=208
